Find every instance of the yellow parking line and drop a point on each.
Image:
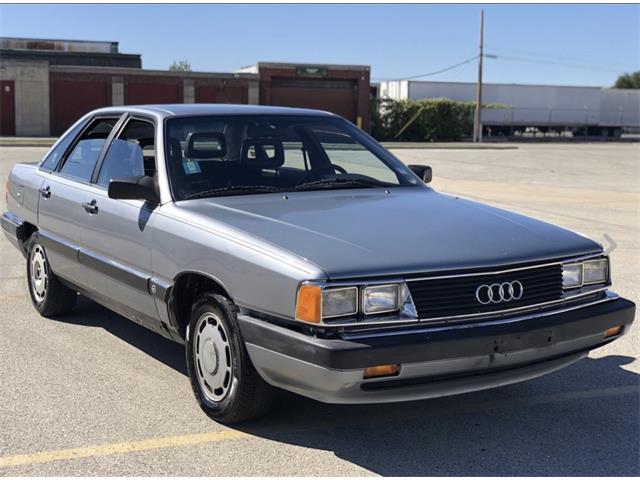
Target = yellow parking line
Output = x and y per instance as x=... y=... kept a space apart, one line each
x=125 y=447
x=321 y=424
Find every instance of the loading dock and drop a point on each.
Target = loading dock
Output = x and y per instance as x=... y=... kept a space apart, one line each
x=341 y=89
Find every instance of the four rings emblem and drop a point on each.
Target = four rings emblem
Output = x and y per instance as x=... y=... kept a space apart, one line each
x=499 y=292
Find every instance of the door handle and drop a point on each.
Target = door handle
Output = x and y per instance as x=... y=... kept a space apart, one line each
x=90 y=207
x=45 y=192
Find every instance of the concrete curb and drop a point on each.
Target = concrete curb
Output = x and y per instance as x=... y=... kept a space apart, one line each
x=27 y=141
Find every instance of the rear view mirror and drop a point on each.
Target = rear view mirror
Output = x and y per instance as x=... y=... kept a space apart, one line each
x=422 y=171
x=134 y=188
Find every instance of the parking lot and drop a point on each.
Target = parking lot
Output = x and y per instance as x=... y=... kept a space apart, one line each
x=94 y=394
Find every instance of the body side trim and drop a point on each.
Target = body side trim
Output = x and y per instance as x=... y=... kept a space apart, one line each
x=113 y=269
x=118 y=271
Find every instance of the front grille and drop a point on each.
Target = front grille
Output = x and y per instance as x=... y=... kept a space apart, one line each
x=444 y=297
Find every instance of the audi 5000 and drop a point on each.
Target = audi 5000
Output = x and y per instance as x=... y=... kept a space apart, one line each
x=287 y=249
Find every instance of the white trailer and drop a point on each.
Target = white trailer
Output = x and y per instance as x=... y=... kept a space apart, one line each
x=589 y=110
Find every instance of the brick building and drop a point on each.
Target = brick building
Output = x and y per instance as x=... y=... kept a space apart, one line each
x=45 y=85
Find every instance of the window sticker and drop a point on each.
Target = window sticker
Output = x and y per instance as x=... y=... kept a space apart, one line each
x=191 y=167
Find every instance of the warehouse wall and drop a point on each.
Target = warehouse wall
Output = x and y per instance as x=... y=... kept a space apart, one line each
x=31 y=90
x=336 y=88
x=77 y=90
x=74 y=94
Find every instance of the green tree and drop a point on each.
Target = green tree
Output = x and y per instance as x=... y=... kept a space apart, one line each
x=628 y=80
x=180 y=66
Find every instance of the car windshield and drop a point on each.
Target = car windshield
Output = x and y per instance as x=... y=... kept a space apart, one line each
x=229 y=155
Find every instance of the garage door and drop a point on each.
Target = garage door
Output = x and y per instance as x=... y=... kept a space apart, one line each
x=137 y=93
x=331 y=95
x=214 y=94
x=72 y=99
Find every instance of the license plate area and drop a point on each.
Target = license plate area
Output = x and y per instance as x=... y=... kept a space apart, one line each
x=523 y=341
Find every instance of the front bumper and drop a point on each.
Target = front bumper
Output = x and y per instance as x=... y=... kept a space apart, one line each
x=435 y=361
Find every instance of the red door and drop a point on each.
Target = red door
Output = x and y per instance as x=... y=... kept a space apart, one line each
x=71 y=99
x=7 y=108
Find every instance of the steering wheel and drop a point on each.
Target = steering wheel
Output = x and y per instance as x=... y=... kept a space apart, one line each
x=338 y=168
x=316 y=173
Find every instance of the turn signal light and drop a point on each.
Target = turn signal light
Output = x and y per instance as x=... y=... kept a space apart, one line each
x=381 y=371
x=613 y=331
x=309 y=304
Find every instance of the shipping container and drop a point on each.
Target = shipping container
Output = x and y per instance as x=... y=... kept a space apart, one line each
x=592 y=110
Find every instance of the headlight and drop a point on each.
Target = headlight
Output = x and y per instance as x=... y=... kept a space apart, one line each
x=572 y=275
x=585 y=273
x=316 y=302
x=380 y=299
x=595 y=271
x=338 y=302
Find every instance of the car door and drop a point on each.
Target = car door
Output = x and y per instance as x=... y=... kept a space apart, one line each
x=66 y=186
x=117 y=233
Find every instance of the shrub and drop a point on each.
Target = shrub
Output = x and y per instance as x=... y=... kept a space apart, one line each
x=438 y=119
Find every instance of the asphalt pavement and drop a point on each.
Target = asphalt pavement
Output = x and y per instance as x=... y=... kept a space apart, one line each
x=94 y=394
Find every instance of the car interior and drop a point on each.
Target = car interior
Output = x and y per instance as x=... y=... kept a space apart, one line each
x=206 y=156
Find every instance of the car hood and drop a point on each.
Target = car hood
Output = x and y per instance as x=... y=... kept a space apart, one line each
x=362 y=232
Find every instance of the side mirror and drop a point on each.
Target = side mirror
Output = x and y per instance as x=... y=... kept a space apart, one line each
x=422 y=171
x=134 y=188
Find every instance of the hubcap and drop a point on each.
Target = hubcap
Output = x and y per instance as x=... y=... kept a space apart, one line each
x=212 y=357
x=39 y=273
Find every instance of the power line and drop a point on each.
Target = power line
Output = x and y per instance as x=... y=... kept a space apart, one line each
x=523 y=59
x=546 y=56
x=430 y=74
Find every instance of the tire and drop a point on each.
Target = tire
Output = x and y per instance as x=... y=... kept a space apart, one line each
x=224 y=381
x=49 y=295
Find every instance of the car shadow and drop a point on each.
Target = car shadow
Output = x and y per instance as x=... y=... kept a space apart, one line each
x=91 y=314
x=583 y=420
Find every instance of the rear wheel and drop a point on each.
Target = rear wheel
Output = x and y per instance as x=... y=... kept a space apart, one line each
x=48 y=294
x=224 y=381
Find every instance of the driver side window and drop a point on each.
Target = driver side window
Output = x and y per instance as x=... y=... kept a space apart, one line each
x=132 y=154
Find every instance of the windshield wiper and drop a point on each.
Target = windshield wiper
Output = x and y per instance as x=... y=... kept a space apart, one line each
x=340 y=182
x=233 y=190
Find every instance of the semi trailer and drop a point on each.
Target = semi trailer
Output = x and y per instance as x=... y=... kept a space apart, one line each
x=589 y=111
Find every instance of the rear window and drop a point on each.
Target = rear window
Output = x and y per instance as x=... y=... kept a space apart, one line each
x=82 y=159
x=57 y=152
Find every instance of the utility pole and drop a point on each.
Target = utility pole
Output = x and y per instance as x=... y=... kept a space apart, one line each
x=477 y=120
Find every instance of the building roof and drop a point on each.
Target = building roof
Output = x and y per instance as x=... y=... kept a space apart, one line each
x=256 y=67
x=59 y=45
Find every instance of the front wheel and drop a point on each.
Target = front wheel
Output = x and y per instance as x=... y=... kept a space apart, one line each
x=224 y=381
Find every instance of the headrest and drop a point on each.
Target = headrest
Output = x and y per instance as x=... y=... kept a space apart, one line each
x=125 y=149
x=262 y=153
x=206 y=145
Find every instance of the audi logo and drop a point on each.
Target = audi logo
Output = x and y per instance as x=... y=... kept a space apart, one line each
x=499 y=292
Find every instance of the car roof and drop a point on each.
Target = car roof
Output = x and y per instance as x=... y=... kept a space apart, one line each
x=187 y=109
